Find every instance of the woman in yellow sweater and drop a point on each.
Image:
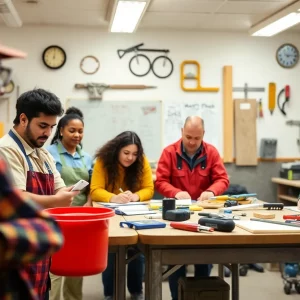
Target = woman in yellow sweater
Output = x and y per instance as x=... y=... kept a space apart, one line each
x=122 y=174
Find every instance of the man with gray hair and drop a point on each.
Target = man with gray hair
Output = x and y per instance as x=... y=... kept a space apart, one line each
x=190 y=169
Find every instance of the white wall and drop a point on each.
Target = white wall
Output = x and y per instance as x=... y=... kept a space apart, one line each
x=253 y=61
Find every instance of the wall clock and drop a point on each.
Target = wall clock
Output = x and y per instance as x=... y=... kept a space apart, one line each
x=89 y=64
x=9 y=87
x=54 y=57
x=287 y=55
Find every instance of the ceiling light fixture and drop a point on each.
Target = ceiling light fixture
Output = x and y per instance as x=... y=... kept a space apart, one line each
x=9 y=14
x=280 y=21
x=127 y=14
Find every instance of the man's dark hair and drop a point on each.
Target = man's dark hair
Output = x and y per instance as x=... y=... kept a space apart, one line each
x=37 y=101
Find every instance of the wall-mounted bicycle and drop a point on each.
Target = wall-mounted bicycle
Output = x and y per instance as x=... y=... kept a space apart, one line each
x=140 y=65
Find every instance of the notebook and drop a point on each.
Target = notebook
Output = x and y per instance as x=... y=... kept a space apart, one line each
x=131 y=210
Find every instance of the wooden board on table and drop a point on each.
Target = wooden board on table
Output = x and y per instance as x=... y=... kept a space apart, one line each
x=211 y=204
x=262 y=227
x=219 y=204
x=245 y=132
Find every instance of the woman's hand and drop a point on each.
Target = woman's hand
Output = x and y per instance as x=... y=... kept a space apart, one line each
x=89 y=202
x=134 y=198
x=121 y=198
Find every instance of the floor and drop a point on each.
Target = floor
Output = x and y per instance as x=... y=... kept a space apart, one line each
x=264 y=286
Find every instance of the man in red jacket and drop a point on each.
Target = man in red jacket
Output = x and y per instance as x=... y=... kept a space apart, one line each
x=190 y=169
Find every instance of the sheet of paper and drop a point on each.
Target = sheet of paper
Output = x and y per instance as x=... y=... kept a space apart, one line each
x=135 y=212
x=114 y=205
x=293 y=208
x=134 y=208
x=262 y=227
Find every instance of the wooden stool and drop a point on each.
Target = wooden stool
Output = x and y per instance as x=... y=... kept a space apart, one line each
x=203 y=288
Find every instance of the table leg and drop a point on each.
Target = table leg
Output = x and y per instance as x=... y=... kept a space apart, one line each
x=221 y=271
x=234 y=281
x=120 y=274
x=153 y=283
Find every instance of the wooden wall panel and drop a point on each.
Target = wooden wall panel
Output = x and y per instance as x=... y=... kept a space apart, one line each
x=227 y=115
x=245 y=132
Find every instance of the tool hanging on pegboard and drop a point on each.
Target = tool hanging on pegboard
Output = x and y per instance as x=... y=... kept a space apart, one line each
x=272 y=97
x=260 y=109
x=287 y=93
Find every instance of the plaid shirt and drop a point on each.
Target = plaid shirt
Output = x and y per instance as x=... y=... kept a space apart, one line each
x=27 y=235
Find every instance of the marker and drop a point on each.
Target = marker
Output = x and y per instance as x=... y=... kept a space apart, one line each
x=291 y=217
x=191 y=226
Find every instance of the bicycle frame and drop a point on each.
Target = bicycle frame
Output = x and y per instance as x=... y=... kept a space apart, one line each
x=137 y=48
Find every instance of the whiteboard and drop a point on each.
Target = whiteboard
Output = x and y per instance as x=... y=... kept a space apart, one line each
x=106 y=119
x=175 y=114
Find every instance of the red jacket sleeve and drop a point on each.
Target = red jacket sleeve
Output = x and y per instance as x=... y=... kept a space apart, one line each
x=219 y=175
x=163 y=175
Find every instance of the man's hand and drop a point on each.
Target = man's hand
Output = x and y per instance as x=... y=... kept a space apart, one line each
x=205 y=196
x=64 y=196
x=182 y=195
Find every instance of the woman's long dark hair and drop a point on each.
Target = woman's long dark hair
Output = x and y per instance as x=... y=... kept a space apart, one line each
x=72 y=113
x=109 y=155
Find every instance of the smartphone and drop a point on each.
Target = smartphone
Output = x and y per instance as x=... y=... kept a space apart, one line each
x=79 y=185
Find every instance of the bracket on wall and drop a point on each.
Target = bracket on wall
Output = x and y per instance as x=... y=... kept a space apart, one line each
x=295 y=123
x=247 y=89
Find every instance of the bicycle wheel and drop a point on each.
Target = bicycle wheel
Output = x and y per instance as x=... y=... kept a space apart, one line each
x=163 y=66
x=140 y=65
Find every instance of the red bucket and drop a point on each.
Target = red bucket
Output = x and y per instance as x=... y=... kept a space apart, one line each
x=85 y=248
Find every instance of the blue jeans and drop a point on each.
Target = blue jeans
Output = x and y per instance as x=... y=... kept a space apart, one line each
x=135 y=274
x=200 y=271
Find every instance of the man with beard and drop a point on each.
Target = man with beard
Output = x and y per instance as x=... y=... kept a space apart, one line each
x=33 y=168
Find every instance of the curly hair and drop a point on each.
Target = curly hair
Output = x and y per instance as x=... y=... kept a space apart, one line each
x=72 y=113
x=109 y=155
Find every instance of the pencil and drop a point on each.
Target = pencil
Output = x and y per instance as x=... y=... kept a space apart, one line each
x=120 y=189
x=274 y=222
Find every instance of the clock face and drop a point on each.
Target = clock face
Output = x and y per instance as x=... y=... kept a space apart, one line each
x=287 y=55
x=54 y=57
x=10 y=87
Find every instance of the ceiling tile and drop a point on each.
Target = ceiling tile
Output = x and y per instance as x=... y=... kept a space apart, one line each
x=192 y=6
x=252 y=7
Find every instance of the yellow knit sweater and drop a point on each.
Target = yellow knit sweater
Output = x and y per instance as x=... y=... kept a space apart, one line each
x=102 y=191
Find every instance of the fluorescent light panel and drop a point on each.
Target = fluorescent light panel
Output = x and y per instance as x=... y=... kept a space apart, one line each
x=280 y=25
x=284 y=19
x=9 y=14
x=127 y=15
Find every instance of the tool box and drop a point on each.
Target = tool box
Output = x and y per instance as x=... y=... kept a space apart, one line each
x=204 y=288
x=290 y=171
